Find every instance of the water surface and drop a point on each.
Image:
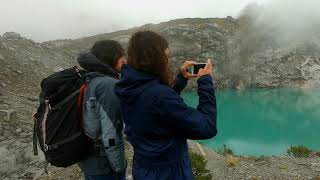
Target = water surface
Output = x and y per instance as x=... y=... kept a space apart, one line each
x=265 y=121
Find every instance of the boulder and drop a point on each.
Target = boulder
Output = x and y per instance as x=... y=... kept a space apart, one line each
x=18 y=71
x=8 y=161
x=315 y=167
x=11 y=35
x=33 y=99
x=18 y=130
x=4 y=106
x=29 y=154
x=9 y=116
x=1 y=57
x=3 y=84
x=57 y=69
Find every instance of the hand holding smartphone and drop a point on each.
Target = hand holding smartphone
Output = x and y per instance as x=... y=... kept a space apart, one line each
x=196 y=67
x=191 y=69
x=207 y=70
x=200 y=69
x=184 y=69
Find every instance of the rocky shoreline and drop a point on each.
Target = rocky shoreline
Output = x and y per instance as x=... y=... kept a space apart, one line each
x=18 y=162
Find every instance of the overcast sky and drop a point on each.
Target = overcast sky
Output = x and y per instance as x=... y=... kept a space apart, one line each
x=43 y=20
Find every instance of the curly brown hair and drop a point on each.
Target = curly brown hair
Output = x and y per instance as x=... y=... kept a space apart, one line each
x=146 y=52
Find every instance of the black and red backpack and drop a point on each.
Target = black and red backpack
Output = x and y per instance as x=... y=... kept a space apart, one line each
x=58 y=120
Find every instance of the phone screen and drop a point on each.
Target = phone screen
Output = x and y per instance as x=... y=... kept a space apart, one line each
x=197 y=67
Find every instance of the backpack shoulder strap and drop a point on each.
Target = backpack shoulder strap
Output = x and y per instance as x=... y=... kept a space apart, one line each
x=35 y=137
x=81 y=102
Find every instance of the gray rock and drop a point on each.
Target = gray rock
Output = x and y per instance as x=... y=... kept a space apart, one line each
x=29 y=156
x=39 y=174
x=33 y=99
x=6 y=126
x=231 y=19
x=26 y=140
x=9 y=116
x=217 y=26
x=16 y=143
x=20 y=157
x=4 y=106
x=27 y=129
x=23 y=135
x=2 y=138
x=15 y=176
x=11 y=35
x=12 y=49
x=18 y=130
x=1 y=57
x=8 y=161
x=28 y=175
x=6 y=133
x=18 y=71
x=3 y=45
x=24 y=145
x=57 y=69
x=315 y=167
x=3 y=84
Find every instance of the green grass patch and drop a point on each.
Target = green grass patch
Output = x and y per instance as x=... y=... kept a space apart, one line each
x=199 y=170
x=299 y=151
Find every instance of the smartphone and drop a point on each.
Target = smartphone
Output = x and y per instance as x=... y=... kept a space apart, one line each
x=195 y=69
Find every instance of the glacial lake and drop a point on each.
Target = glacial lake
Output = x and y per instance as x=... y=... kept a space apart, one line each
x=265 y=121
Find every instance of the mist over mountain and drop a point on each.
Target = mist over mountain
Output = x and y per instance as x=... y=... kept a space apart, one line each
x=281 y=24
x=275 y=41
x=67 y=19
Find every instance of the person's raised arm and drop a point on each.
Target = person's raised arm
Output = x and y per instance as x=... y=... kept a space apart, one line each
x=185 y=121
x=183 y=76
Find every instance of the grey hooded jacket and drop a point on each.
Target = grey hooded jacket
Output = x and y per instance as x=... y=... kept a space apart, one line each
x=102 y=118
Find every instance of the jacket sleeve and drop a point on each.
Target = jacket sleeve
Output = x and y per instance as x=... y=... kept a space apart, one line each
x=188 y=122
x=111 y=129
x=180 y=83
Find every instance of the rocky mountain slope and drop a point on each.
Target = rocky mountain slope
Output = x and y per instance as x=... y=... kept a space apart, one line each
x=23 y=63
x=243 y=58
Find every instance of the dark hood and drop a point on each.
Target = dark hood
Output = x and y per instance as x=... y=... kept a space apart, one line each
x=91 y=63
x=133 y=82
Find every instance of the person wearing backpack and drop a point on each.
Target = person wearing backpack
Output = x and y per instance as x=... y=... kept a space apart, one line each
x=102 y=119
x=157 y=121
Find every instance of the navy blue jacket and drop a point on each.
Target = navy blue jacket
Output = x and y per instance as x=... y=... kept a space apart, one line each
x=158 y=123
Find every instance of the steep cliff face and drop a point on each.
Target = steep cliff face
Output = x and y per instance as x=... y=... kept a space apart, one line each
x=272 y=47
x=282 y=68
x=294 y=67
